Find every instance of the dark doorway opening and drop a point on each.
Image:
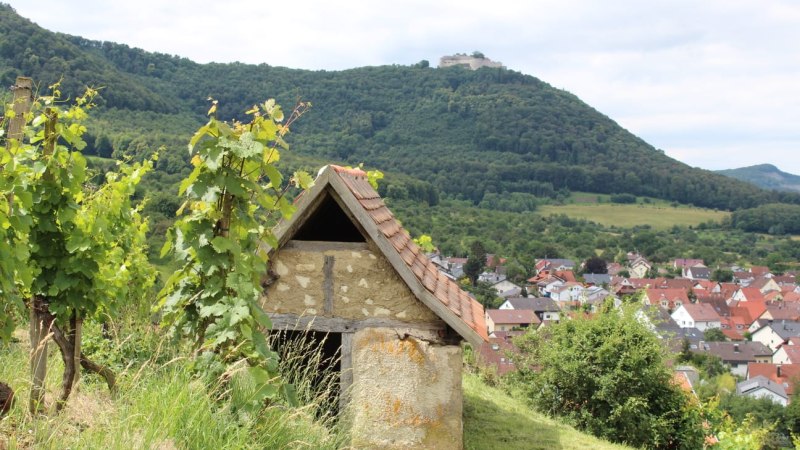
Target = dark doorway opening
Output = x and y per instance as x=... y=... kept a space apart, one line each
x=312 y=360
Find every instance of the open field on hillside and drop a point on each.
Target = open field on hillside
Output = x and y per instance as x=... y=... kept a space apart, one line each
x=658 y=216
x=493 y=419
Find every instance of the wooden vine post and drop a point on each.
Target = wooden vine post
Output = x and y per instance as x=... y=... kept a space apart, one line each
x=38 y=329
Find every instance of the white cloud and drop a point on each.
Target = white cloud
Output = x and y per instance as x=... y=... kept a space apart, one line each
x=706 y=81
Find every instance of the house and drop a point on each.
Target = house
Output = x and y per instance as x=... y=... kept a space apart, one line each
x=748 y=294
x=547 y=286
x=614 y=268
x=639 y=267
x=786 y=375
x=622 y=286
x=683 y=263
x=510 y=319
x=760 y=271
x=784 y=280
x=566 y=276
x=765 y=285
x=594 y=295
x=454 y=267
x=544 y=308
x=553 y=264
x=497 y=354
x=737 y=355
x=719 y=304
x=775 y=334
x=644 y=283
x=665 y=298
x=673 y=283
x=763 y=387
x=491 y=277
x=755 y=310
x=344 y=272
x=740 y=320
x=712 y=287
x=781 y=311
x=696 y=315
x=687 y=377
x=743 y=278
x=787 y=354
x=567 y=292
x=505 y=289
x=597 y=279
x=697 y=273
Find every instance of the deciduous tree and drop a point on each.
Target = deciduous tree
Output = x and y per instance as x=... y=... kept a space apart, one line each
x=608 y=375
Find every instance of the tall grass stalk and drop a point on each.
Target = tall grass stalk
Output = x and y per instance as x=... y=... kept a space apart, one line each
x=162 y=405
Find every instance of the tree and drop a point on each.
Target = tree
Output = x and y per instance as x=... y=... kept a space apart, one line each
x=595 y=264
x=722 y=275
x=608 y=376
x=476 y=262
x=714 y=335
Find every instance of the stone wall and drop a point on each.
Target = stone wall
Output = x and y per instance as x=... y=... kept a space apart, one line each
x=406 y=392
x=345 y=280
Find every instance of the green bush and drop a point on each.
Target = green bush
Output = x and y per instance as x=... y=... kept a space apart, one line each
x=608 y=376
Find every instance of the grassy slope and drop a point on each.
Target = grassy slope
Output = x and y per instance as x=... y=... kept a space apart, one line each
x=658 y=216
x=495 y=420
x=160 y=407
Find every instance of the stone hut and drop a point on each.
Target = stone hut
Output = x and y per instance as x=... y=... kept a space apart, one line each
x=345 y=267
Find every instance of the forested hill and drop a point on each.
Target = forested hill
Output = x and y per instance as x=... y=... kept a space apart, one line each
x=765 y=176
x=462 y=133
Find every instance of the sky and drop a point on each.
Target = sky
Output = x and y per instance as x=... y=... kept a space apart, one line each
x=712 y=83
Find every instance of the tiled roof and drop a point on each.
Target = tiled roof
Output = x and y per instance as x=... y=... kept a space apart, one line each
x=538 y=304
x=512 y=316
x=792 y=353
x=701 y=312
x=752 y=294
x=443 y=289
x=784 y=311
x=733 y=352
x=755 y=308
x=760 y=382
x=786 y=374
x=496 y=353
x=685 y=262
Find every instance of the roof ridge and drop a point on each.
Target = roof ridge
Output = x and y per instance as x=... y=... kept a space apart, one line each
x=347 y=170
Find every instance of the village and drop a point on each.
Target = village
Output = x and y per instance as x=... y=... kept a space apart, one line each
x=752 y=323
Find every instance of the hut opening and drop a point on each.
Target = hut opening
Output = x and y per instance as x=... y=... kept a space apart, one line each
x=330 y=224
x=315 y=357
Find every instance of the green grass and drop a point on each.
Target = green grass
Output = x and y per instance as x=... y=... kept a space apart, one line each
x=495 y=420
x=159 y=406
x=658 y=216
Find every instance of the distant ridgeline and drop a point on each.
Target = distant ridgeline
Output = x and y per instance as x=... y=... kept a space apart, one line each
x=459 y=132
x=765 y=176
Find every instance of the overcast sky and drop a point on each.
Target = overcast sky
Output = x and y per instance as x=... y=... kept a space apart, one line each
x=713 y=83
